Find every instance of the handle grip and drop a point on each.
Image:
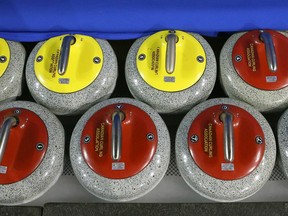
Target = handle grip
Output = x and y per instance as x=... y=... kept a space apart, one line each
x=171 y=39
x=5 y=132
x=270 y=50
x=64 y=53
x=227 y=119
x=117 y=118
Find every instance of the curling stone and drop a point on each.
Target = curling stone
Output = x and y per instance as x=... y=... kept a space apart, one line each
x=12 y=59
x=282 y=129
x=31 y=151
x=120 y=149
x=225 y=150
x=70 y=73
x=253 y=68
x=171 y=70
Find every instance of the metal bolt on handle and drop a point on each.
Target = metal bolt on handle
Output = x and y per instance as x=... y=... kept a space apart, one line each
x=227 y=119
x=5 y=132
x=64 y=53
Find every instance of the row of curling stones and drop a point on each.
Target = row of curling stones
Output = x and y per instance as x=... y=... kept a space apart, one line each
x=225 y=150
x=120 y=150
x=253 y=69
x=31 y=151
x=170 y=70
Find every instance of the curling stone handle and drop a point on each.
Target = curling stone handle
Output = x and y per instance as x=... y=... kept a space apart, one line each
x=171 y=39
x=227 y=119
x=117 y=118
x=5 y=132
x=64 y=53
x=270 y=50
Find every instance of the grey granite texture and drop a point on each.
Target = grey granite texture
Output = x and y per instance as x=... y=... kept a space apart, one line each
x=221 y=190
x=77 y=102
x=119 y=190
x=282 y=138
x=235 y=87
x=166 y=209
x=51 y=166
x=171 y=102
x=20 y=211
x=11 y=80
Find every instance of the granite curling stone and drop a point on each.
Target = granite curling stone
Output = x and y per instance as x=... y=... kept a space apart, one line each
x=31 y=151
x=70 y=73
x=171 y=70
x=12 y=59
x=282 y=128
x=253 y=69
x=225 y=150
x=120 y=149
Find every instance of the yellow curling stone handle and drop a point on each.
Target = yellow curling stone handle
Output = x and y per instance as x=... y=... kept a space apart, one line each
x=83 y=63
x=171 y=61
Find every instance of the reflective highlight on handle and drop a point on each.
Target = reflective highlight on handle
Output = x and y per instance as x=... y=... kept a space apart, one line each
x=270 y=50
x=5 y=132
x=171 y=39
x=64 y=53
x=227 y=119
x=117 y=118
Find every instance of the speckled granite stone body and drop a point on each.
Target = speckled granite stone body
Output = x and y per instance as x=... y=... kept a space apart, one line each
x=50 y=168
x=235 y=87
x=221 y=190
x=171 y=102
x=77 y=102
x=11 y=80
x=282 y=136
x=119 y=190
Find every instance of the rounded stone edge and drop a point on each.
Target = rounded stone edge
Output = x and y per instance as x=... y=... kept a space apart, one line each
x=282 y=136
x=31 y=188
x=117 y=190
x=76 y=102
x=171 y=102
x=12 y=77
x=243 y=91
x=228 y=191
